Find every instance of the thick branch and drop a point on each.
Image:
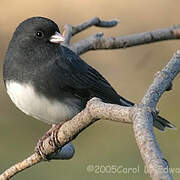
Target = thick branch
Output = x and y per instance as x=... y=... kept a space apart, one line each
x=156 y=164
x=99 y=42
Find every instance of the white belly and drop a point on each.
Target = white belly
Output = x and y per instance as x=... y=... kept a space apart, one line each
x=28 y=101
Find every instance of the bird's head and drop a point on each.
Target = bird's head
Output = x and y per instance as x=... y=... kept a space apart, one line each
x=37 y=31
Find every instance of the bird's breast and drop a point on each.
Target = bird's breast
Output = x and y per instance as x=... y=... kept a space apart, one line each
x=32 y=103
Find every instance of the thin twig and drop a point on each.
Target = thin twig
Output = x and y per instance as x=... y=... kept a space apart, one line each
x=28 y=162
x=73 y=30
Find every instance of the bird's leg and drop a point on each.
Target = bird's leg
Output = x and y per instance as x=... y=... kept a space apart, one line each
x=51 y=132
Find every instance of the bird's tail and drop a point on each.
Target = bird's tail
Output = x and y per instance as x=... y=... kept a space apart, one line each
x=159 y=122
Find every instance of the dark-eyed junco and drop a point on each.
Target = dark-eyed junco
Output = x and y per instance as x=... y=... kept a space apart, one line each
x=50 y=82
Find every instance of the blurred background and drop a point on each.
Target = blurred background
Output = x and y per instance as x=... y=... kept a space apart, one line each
x=130 y=71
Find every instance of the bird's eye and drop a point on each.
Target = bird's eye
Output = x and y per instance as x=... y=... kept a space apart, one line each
x=40 y=34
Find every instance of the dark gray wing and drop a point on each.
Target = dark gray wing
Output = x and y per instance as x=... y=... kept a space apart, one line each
x=83 y=80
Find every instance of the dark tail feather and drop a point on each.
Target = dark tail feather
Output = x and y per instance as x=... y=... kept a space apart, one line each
x=160 y=123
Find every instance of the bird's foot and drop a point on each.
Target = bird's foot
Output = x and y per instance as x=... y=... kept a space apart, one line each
x=52 y=133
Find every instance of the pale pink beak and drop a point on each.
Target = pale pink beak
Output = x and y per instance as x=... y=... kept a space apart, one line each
x=57 y=38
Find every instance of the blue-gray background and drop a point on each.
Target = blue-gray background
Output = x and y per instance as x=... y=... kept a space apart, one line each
x=130 y=71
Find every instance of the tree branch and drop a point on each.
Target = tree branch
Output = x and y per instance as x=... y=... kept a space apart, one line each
x=96 y=42
x=156 y=164
x=95 y=109
x=73 y=30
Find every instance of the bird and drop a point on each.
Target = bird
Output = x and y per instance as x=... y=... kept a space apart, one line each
x=48 y=81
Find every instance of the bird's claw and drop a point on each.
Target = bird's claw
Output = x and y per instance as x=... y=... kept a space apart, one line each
x=52 y=133
x=39 y=147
